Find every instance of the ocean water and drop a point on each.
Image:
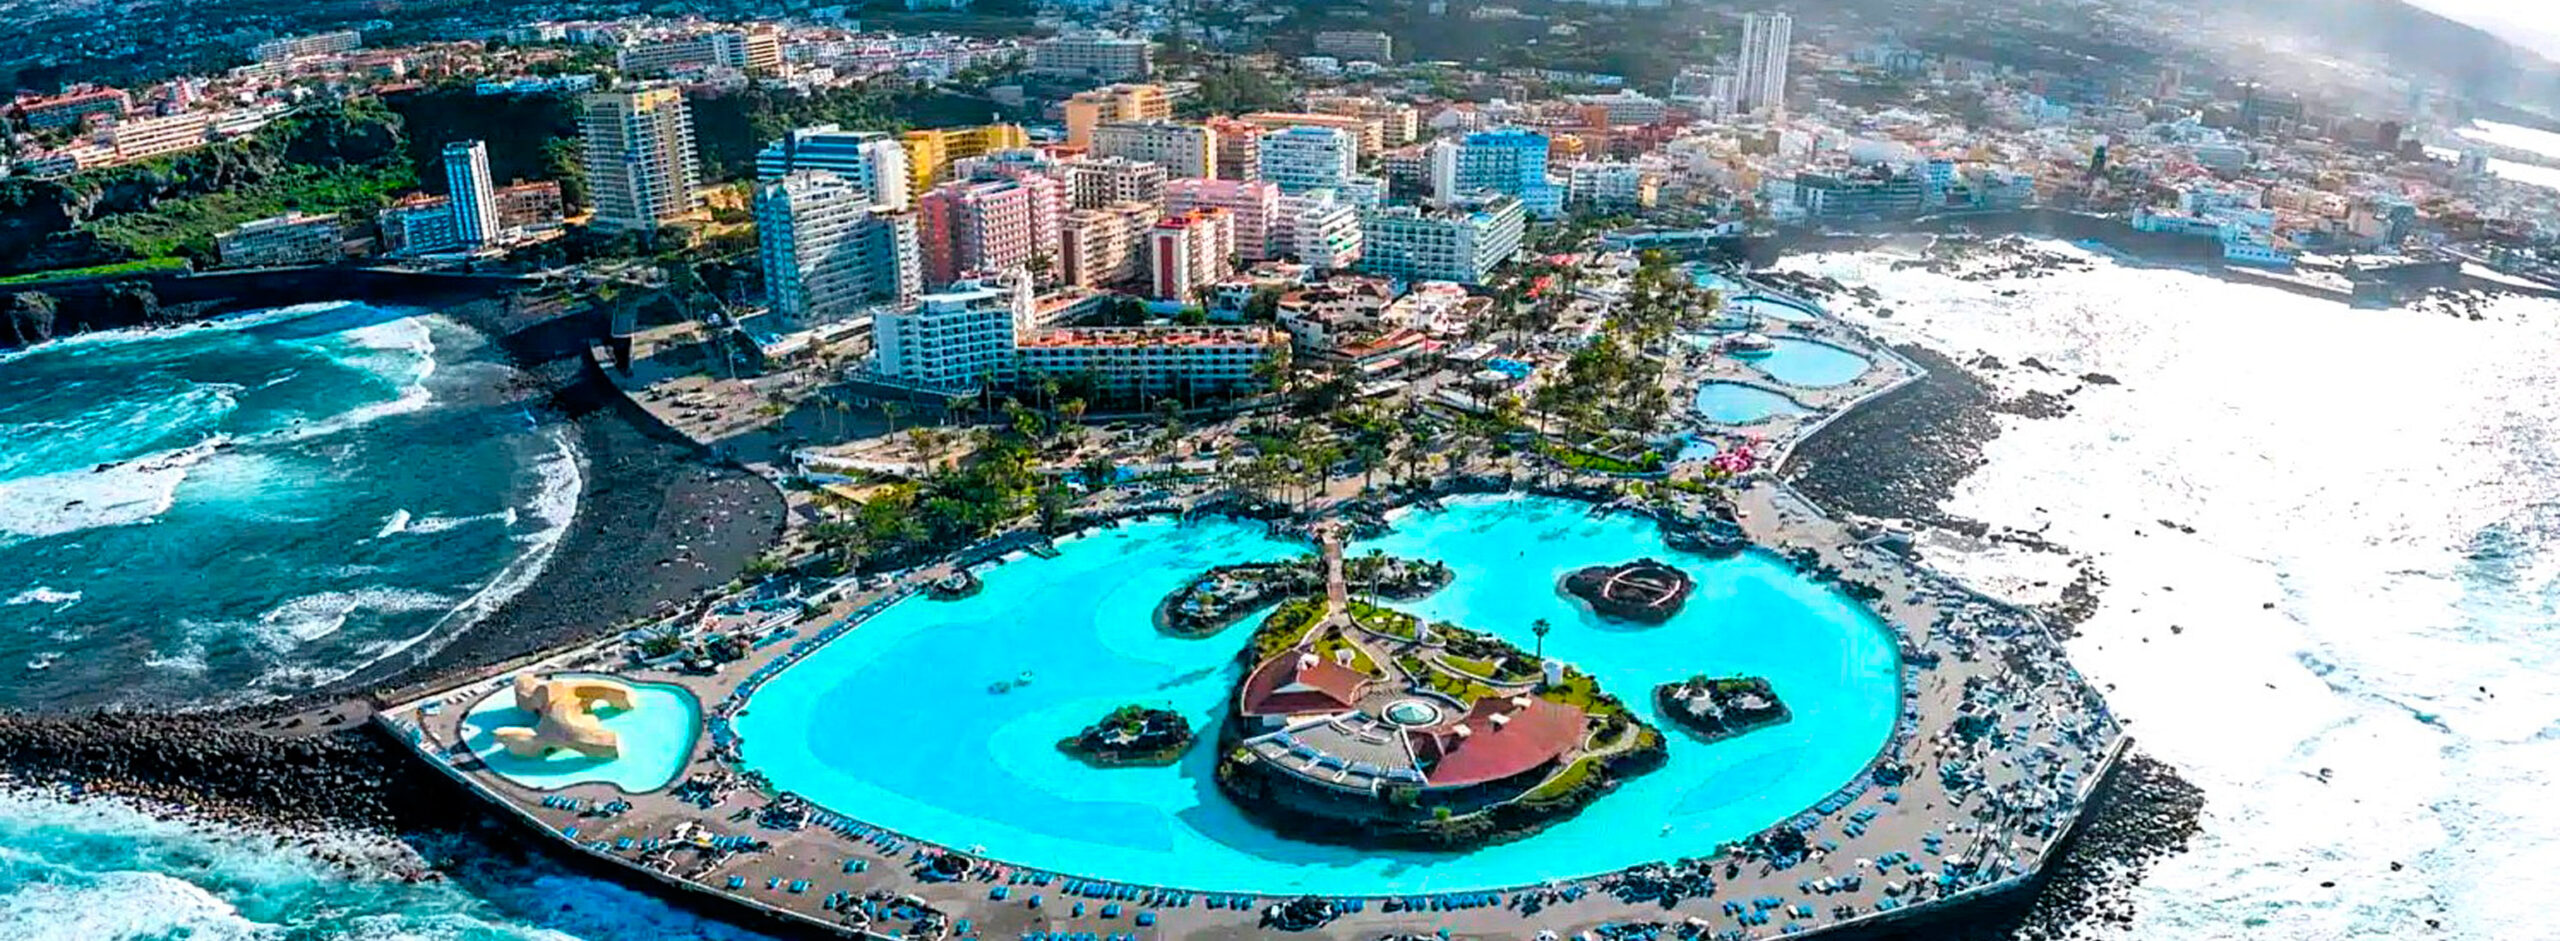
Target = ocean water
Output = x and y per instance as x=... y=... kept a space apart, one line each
x=2352 y=653
x=101 y=872
x=245 y=508
x=940 y=757
x=2510 y=135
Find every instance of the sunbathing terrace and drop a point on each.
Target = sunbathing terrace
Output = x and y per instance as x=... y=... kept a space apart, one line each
x=1977 y=815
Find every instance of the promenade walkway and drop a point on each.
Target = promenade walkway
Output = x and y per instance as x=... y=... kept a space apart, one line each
x=1996 y=748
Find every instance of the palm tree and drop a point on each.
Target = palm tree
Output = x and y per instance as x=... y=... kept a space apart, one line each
x=1540 y=627
x=893 y=411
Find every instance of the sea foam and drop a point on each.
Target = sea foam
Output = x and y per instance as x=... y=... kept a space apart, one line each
x=121 y=494
x=2362 y=564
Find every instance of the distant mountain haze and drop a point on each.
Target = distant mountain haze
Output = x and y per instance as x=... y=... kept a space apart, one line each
x=2533 y=24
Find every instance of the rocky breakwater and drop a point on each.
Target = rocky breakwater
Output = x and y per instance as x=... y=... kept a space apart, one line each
x=1899 y=455
x=345 y=778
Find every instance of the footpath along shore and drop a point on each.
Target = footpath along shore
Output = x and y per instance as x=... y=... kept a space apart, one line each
x=1996 y=752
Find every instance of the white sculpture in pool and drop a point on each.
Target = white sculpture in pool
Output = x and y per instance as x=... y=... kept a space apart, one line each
x=564 y=710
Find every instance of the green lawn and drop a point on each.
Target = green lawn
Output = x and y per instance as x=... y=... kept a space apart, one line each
x=1333 y=641
x=1384 y=621
x=1582 y=692
x=1285 y=625
x=120 y=268
x=1646 y=463
x=1564 y=782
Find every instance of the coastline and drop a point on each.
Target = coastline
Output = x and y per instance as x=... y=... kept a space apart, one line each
x=655 y=526
x=463 y=652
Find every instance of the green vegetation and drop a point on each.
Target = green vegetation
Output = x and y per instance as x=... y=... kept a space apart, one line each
x=1285 y=626
x=1131 y=735
x=1580 y=691
x=525 y=133
x=1649 y=462
x=345 y=157
x=1386 y=621
x=144 y=266
x=186 y=227
x=945 y=509
x=1332 y=641
x=1236 y=89
x=1565 y=783
x=731 y=127
x=1613 y=386
x=1453 y=686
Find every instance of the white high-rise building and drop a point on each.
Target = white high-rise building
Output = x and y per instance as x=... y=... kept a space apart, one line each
x=640 y=162
x=828 y=253
x=869 y=159
x=1304 y=157
x=955 y=339
x=982 y=332
x=1317 y=228
x=1461 y=243
x=475 y=197
x=1183 y=150
x=1763 y=85
x=1097 y=54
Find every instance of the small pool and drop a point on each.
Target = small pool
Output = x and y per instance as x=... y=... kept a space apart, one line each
x=1812 y=365
x=1734 y=403
x=1739 y=298
x=1771 y=308
x=1716 y=282
x=658 y=733
x=1694 y=448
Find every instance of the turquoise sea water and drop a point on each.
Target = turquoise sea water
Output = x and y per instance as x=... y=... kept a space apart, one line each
x=1734 y=403
x=1811 y=364
x=247 y=507
x=656 y=735
x=894 y=722
x=99 y=872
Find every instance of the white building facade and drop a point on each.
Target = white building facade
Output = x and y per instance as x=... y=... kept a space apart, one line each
x=867 y=159
x=828 y=253
x=475 y=196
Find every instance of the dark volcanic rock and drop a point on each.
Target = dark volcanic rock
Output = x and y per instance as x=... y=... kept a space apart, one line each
x=1900 y=455
x=30 y=317
x=2143 y=813
x=1644 y=590
x=2037 y=404
x=350 y=777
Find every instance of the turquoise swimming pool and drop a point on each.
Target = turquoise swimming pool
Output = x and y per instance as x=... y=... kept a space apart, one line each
x=1734 y=297
x=895 y=722
x=1772 y=309
x=1734 y=403
x=1811 y=364
x=658 y=733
